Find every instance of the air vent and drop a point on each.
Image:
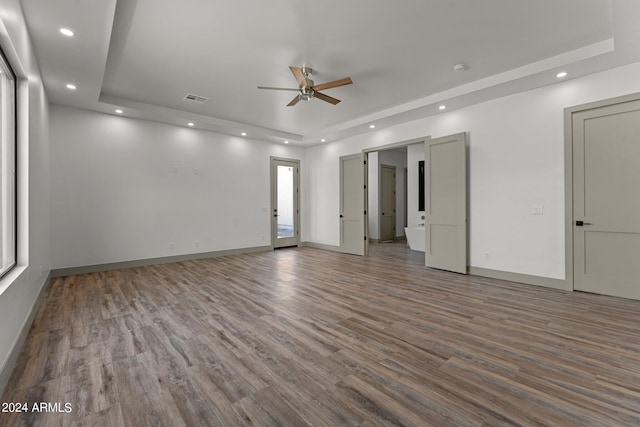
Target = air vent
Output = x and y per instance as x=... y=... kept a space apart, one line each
x=195 y=98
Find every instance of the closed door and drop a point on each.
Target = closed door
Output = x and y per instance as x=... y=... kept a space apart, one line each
x=387 y=203
x=284 y=202
x=606 y=199
x=352 y=202
x=446 y=203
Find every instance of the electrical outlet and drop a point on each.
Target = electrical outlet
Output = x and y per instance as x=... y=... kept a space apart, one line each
x=172 y=245
x=487 y=255
x=537 y=210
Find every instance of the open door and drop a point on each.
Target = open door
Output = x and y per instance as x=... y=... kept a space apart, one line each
x=352 y=203
x=446 y=203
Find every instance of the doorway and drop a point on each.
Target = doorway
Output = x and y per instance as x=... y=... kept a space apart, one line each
x=442 y=226
x=603 y=204
x=387 y=203
x=285 y=202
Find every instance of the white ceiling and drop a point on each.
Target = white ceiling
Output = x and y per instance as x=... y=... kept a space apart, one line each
x=144 y=56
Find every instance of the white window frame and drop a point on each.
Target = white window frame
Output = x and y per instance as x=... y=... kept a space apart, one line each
x=8 y=161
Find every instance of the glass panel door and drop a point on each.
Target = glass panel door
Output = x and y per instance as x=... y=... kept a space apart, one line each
x=284 y=202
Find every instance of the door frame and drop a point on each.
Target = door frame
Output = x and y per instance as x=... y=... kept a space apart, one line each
x=568 y=176
x=274 y=193
x=366 y=151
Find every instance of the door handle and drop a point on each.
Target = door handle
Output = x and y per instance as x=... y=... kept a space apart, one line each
x=581 y=223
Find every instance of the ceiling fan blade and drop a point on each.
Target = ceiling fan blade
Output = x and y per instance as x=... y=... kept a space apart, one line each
x=297 y=73
x=294 y=101
x=277 y=88
x=326 y=98
x=335 y=83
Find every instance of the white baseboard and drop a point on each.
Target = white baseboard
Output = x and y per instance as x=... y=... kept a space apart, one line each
x=69 y=271
x=520 y=278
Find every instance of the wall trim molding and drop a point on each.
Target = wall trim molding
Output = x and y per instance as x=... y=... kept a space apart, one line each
x=527 y=279
x=69 y=271
x=12 y=359
x=320 y=246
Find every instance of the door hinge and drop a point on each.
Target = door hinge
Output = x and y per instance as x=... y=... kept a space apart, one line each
x=365 y=186
x=365 y=212
x=365 y=162
x=365 y=237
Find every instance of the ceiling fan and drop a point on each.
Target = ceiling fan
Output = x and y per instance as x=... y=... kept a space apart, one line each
x=307 y=90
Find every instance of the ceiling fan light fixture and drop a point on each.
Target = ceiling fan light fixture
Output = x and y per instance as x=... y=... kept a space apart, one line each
x=307 y=89
x=306 y=94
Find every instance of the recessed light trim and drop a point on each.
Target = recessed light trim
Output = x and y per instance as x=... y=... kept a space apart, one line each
x=442 y=107
x=71 y=86
x=243 y=134
x=561 y=74
x=119 y=111
x=66 y=32
x=191 y=124
x=323 y=140
x=372 y=126
x=286 y=142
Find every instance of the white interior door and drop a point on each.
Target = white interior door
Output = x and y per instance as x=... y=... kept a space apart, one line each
x=446 y=203
x=285 y=202
x=606 y=200
x=352 y=203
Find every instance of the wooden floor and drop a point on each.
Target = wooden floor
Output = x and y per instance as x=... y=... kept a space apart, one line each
x=301 y=337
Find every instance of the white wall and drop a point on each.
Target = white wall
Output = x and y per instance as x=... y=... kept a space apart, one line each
x=516 y=160
x=116 y=195
x=20 y=288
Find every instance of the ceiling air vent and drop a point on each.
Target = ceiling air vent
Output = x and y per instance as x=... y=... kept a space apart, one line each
x=195 y=98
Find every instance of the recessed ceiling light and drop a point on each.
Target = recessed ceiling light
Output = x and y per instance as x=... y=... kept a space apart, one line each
x=243 y=134
x=323 y=140
x=372 y=126
x=443 y=107
x=190 y=124
x=67 y=32
x=119 y=111
x=286 y=142
x=561 y=74
x=71 y=86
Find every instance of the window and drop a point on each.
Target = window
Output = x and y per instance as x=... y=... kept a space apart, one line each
x=7 y=166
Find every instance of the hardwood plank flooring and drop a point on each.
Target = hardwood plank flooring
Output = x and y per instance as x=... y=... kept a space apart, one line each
x=305 y=337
